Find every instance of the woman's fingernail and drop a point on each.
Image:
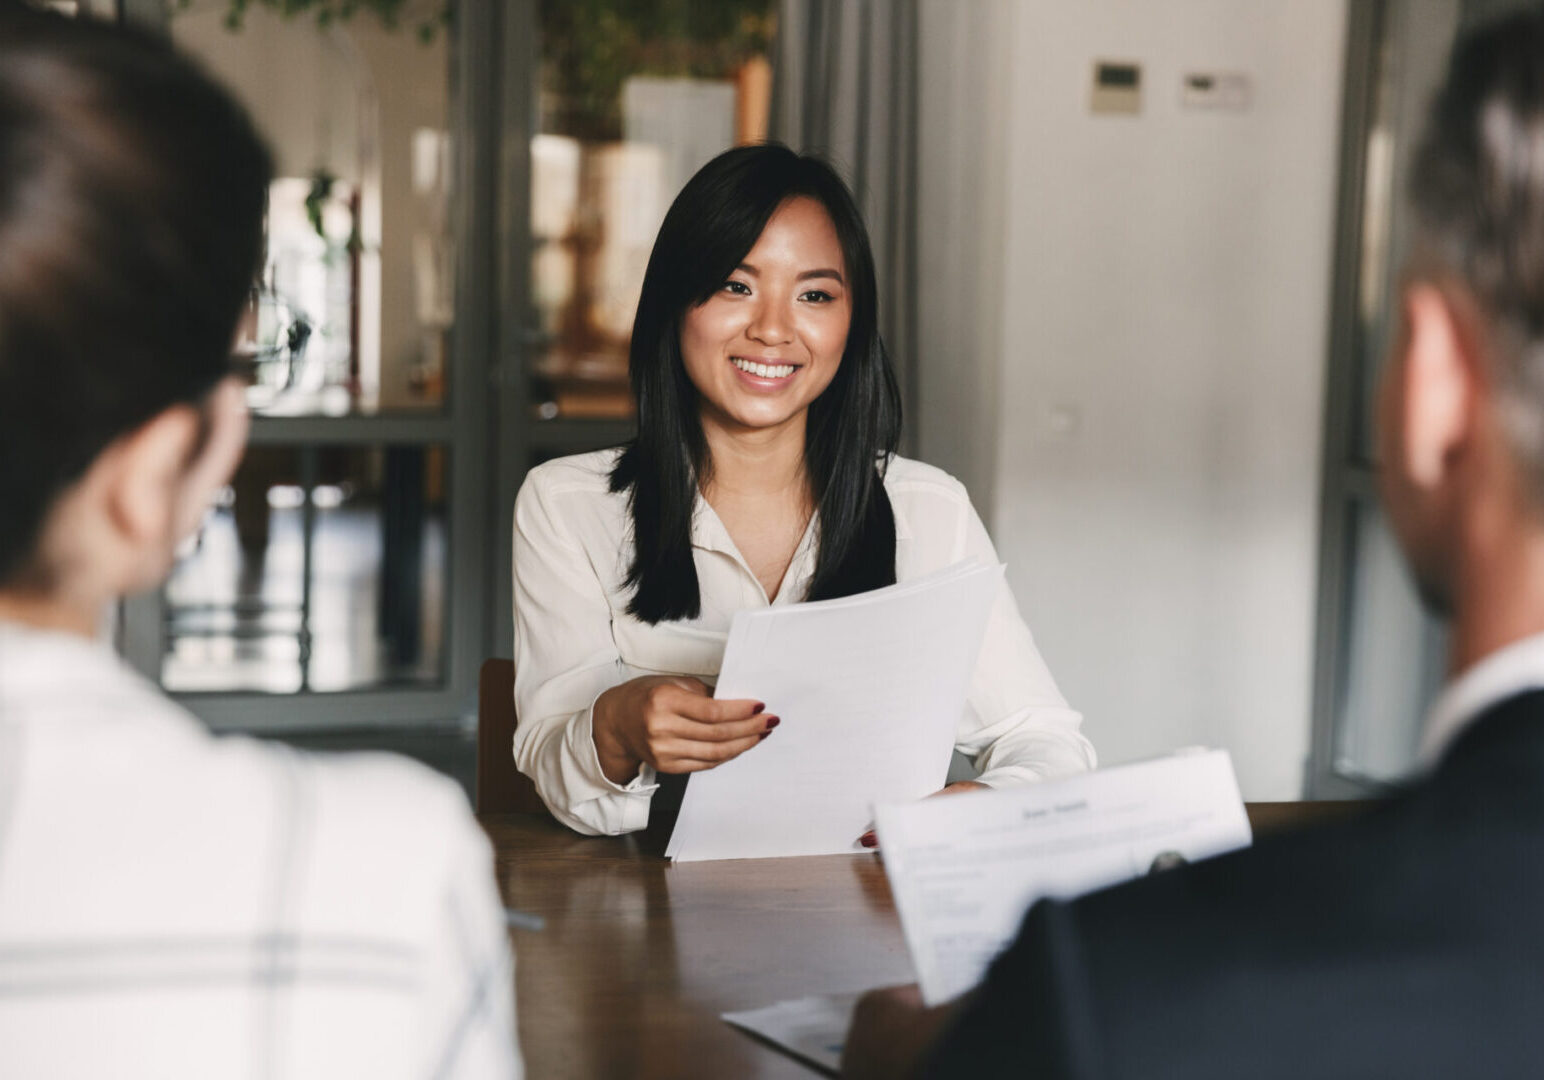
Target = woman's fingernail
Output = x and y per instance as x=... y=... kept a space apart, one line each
x=758 y=708
x=763 y=735
x=868 y=839
x=772 y=722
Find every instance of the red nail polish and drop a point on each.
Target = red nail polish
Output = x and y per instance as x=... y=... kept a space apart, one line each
x=772 y=722
x=763 y=735
x=758 y=708
x=868 y=839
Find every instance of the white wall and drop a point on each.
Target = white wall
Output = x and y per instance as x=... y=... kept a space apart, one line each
x=961 y=188
x=1158 y=358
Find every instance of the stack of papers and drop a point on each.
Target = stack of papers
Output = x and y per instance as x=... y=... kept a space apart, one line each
x=964 y=869
x=870 y=690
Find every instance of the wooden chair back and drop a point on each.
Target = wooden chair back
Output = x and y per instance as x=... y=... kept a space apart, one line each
x=501 y=788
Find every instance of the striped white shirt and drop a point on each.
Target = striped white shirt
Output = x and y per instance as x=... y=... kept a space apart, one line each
x=178 y=905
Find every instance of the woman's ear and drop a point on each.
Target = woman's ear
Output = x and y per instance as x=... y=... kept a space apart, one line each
x=215 y=459
x=143 y=474
x=162 y=477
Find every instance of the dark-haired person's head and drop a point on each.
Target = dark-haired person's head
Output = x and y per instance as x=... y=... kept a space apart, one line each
x=131 y=199
x=747 y=216
x=1461 y=413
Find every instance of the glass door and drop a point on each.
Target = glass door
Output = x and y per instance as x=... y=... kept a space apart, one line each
x=618 y=105
x=467 y=194
x=342 y=578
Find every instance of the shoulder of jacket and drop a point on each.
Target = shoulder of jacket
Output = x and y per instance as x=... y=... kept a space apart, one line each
x=363 y=795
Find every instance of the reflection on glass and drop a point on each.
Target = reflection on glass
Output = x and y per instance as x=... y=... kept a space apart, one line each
x=1395 y=652
x=99 y=9
x=359 y=247
x=633 y=99
x=323 y=568
x=1412 y=60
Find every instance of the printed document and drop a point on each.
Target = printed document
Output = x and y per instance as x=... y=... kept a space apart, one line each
x=965 y=869
x=812 y=1029
x=870 y=690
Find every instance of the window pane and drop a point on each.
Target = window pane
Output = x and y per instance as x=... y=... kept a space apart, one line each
x=632 y=100
x=355 y=310
x=1394 y=660
x=1411 y=64
x=323 y=569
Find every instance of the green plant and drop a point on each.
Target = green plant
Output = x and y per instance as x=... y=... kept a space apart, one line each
x=426 y=17
x=322 y=183
x=588 y=47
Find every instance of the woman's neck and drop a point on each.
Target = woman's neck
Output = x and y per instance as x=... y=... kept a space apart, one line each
x=46 y=612
x=755 y=464
x=758 y=488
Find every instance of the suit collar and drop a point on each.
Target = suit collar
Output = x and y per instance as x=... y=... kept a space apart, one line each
x=1507 y=736
x=1511 y=670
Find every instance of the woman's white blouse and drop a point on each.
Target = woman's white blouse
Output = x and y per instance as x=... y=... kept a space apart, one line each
x=574 y=638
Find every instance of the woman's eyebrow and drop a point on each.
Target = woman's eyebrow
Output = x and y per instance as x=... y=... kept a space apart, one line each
x=826 y=272
x=823 y=272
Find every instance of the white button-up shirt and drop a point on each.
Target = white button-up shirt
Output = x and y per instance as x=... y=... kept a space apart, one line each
x=574 y=638
x=177 y=905
x=1508 y=671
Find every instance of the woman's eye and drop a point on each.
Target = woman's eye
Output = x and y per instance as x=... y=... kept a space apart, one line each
x=818 y=296
x=738 y=288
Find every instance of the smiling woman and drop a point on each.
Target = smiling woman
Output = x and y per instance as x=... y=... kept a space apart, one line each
x=764 y=472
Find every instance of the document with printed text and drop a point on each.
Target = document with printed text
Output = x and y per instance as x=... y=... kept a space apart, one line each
x=870 y=690
x=964 y=870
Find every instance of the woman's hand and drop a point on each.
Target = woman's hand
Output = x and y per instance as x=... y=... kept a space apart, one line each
x=674 y=724
x=870 y=839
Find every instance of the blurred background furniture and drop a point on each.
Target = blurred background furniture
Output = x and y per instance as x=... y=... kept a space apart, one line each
x=501 y=788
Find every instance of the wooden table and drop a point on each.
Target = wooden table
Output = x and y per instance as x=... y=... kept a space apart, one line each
x=639 y=956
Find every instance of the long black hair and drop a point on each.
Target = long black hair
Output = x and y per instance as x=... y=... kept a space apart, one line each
x=853 y=427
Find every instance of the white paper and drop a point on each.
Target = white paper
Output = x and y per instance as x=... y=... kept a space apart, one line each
x=965 y=868
x=869 y=689
x=812 y=1029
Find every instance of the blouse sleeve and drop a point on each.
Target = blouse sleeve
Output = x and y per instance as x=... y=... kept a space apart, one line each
x=1017 y=726
x=565 y=658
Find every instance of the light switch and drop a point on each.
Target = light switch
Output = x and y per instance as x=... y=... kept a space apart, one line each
x=1117 y=88
x=1228 y=90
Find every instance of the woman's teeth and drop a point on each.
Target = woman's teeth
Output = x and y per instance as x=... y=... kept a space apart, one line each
x=766 y=371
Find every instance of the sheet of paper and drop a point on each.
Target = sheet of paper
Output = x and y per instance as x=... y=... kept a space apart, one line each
x=812 y=1029
x=965 y=869
x=869 y=689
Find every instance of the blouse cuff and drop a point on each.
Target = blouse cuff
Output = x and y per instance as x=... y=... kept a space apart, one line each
x=583 y=744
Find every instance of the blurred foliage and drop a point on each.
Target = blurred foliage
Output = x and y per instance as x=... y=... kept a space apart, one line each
x=426 y=17
x=589 y=47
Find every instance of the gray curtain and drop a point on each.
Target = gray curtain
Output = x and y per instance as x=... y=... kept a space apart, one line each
x=845 y=87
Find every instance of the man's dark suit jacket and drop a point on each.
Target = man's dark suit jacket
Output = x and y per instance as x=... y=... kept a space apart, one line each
x=1408 y=942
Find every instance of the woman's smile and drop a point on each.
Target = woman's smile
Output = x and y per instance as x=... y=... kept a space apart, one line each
x=765 y=372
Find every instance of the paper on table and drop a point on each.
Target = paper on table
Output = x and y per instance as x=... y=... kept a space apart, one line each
x=964 y=870
x=869 y=688
x=812 y=1029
